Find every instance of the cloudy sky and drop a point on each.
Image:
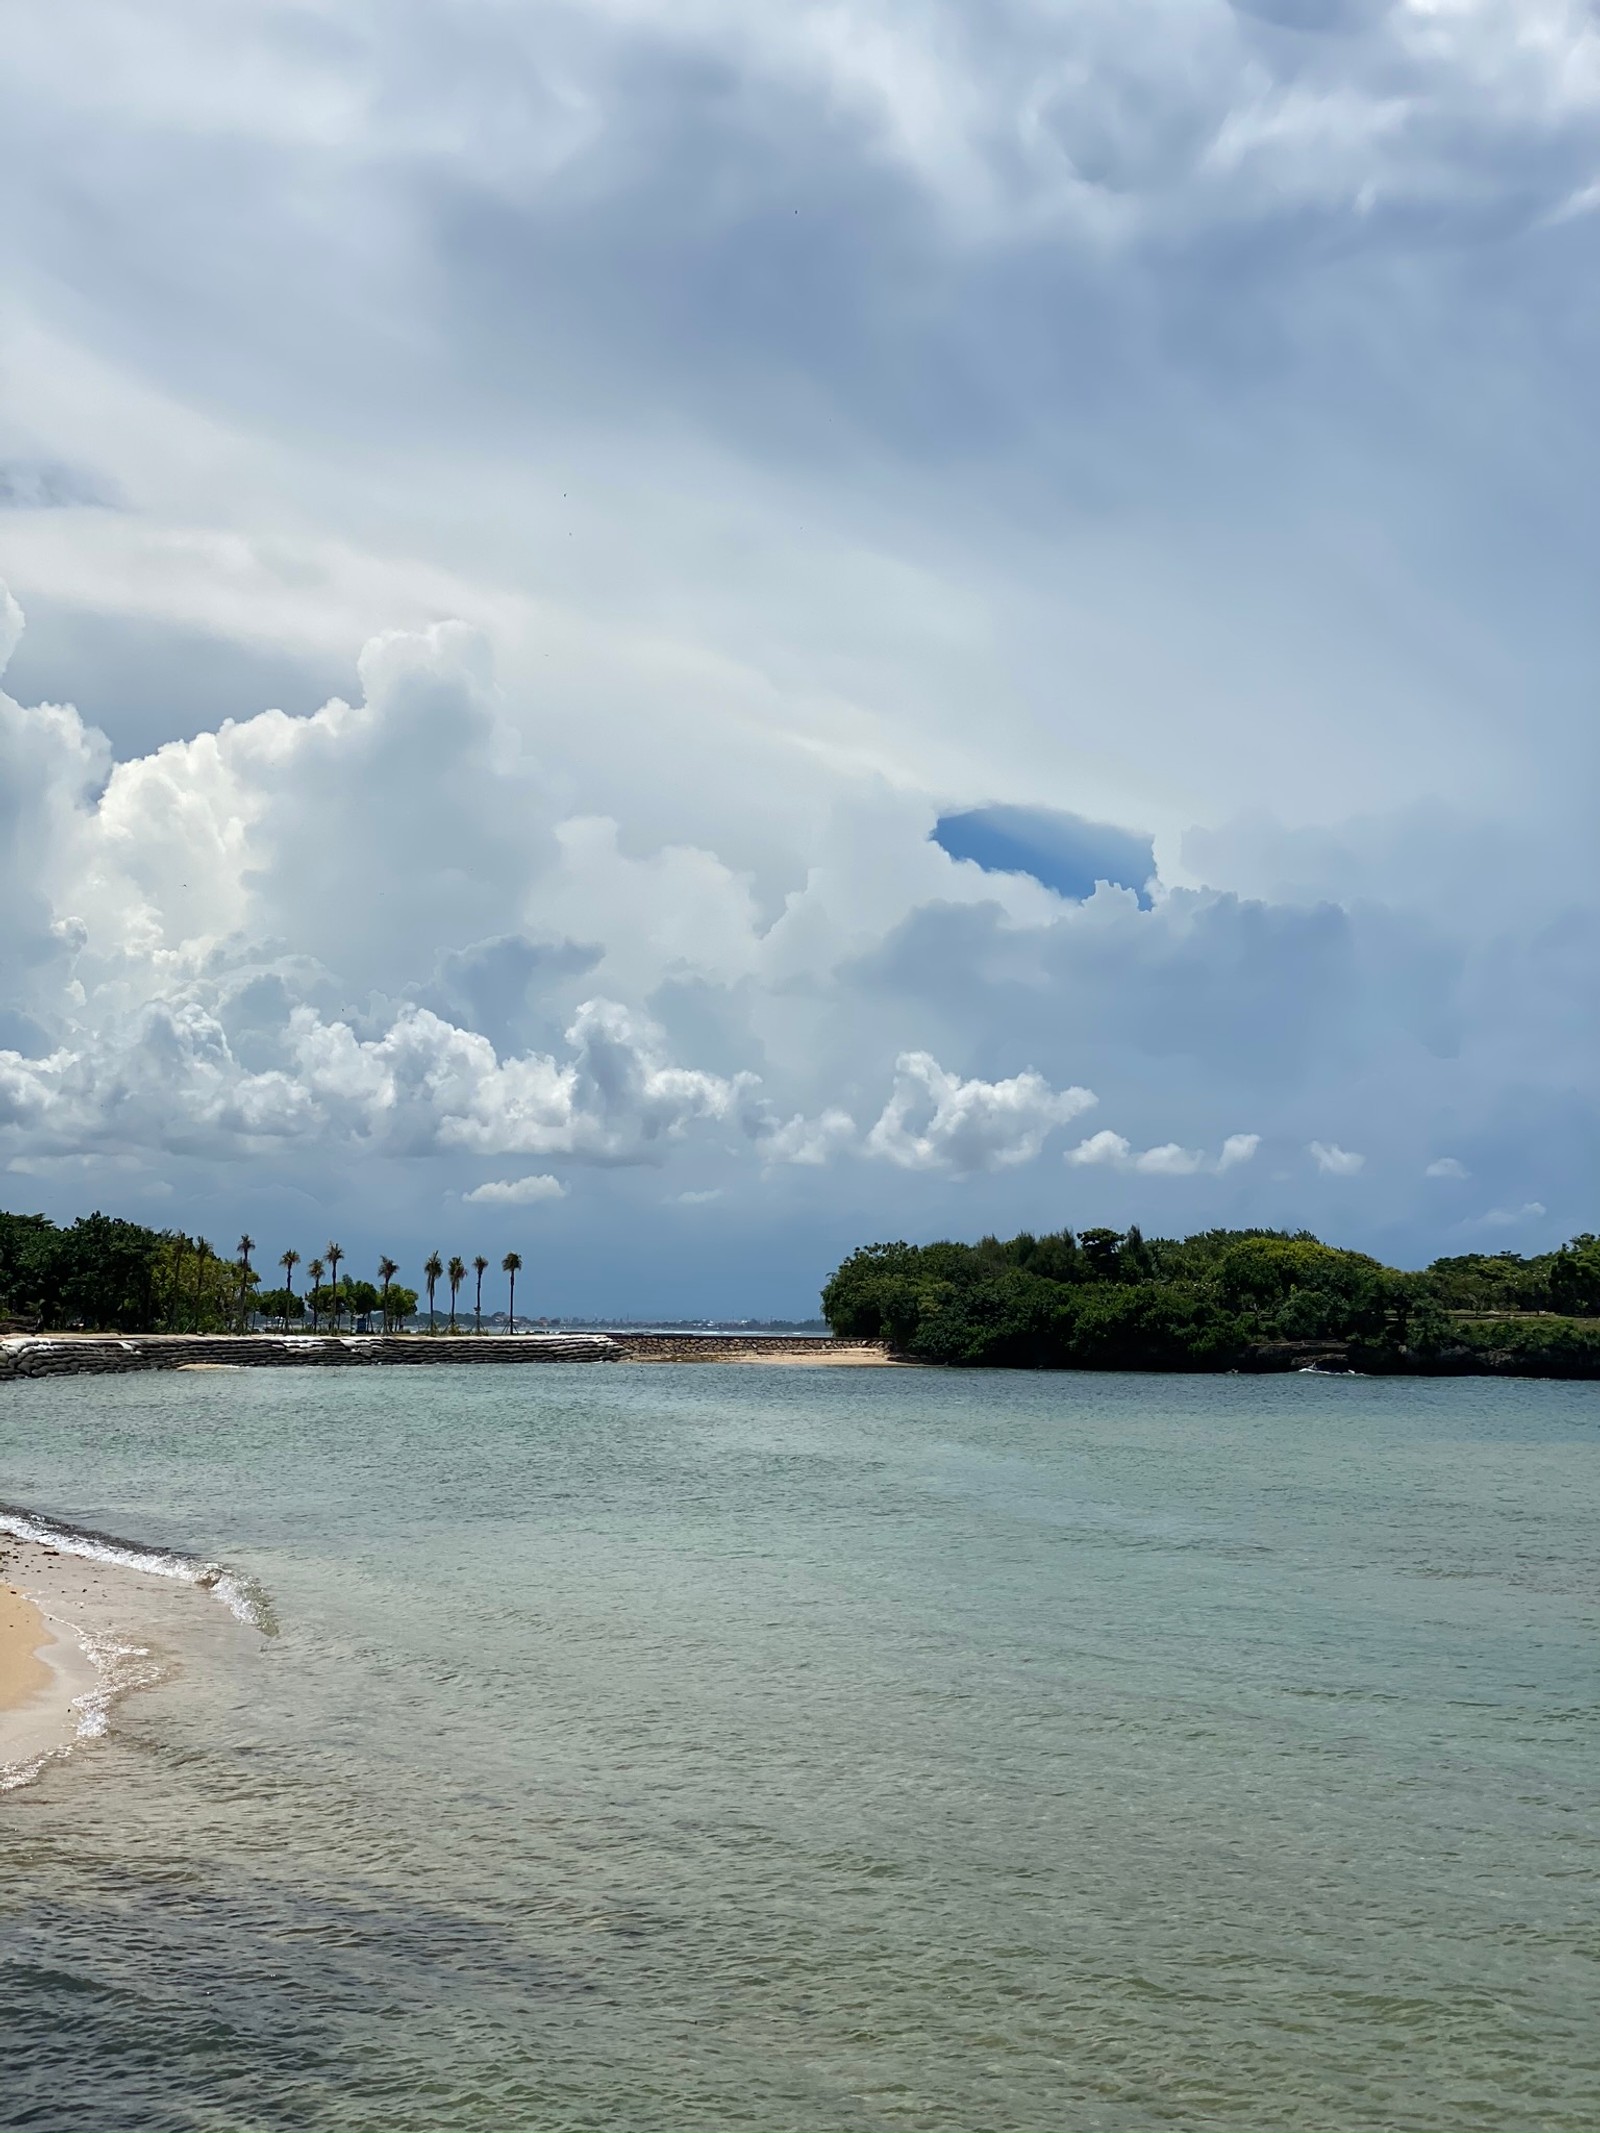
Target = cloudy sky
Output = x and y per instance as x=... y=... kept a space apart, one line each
x=682 y=636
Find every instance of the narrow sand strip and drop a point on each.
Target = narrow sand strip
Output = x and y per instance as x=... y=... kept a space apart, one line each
x=824 y=1355
x=838 y=1359
x=43 y=1669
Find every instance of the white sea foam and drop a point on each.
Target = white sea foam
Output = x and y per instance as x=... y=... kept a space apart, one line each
x=14 y=1774
x=240 y=1594
x=119 y=1667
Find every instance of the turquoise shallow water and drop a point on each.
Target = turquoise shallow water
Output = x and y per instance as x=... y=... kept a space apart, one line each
x=654 y=1747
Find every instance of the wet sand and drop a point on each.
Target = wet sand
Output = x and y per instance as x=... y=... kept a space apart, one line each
x=827 y=1358
x=77 y=1633
x=44 y=1671
x=22 y=1632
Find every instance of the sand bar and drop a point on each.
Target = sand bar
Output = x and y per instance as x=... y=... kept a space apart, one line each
x=827 y=1357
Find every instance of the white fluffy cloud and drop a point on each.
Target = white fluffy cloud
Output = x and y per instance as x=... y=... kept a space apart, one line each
x=516 y=1192
x=934 y=1120
x=1334 y=1161
x=170 y=1079
x=1169 y=1160
x=811 y=1141
x=1504 y=1218
x=219 y=953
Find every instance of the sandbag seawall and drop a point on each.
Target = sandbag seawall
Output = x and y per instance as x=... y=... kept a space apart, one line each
x=43 y=1355
x=65 y=1355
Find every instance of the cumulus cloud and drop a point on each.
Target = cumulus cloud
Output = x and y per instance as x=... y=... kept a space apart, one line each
x=205 y=974
x=516 y=1192
x=1504 y=1218
x=934 y=1120
x=1169 y=1160
x=1334 y=1161
x=1447 y=1166
x=170 y=1078
x=809 y=1141
x=214 y=950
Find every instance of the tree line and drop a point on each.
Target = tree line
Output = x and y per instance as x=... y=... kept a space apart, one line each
x=106 y=1274
x=1222 y=1300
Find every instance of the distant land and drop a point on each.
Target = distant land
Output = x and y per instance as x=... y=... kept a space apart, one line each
x=682 y=1325
x=104 y=1274
x=1248 y=1299
x=1099 y=1299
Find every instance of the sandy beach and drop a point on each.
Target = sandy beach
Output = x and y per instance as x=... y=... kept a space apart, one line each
x=828 y=1357
x=44 y=1671
x=77 y=1633
x=22 y=1631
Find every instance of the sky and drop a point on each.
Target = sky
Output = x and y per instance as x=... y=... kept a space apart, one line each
x=681 y=637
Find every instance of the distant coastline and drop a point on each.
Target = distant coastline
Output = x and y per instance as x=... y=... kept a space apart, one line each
x=1224 y=1300
x=106 y=1295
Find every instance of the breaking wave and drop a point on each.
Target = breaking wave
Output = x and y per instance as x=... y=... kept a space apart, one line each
x=240 y=1594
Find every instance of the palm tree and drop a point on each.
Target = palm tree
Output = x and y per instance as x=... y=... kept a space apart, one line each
x=315 y=1270
x=247 y=1245
x=456 y=1274
x=203 y=1256
x=433 y=1268
x=387 y=1270
x=335 y=1254
x=512 y=1265
x=175 y=1301
x=480 y=1267
x=288 y=1260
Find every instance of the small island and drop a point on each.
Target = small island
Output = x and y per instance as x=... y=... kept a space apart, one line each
x=1225 y=1299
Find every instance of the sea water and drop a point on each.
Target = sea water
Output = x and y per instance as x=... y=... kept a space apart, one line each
x=655 y=1747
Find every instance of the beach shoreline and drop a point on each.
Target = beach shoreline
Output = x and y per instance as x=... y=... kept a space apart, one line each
x=48 y=1678
x=85 y=1619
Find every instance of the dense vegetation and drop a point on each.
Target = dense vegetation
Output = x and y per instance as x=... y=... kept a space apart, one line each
x=1223 y=1300
x=103 y=1274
